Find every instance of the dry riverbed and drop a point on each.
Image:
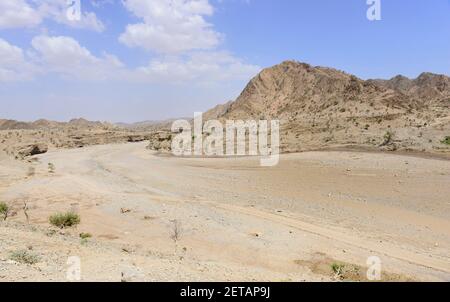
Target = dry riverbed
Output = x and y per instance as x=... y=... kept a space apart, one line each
x=316 y=216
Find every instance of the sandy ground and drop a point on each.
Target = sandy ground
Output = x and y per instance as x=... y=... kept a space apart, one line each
x=235 y=220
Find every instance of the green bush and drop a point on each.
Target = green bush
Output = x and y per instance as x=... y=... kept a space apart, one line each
x=4 y=210
x=387 y=138
x=85 y=235
x=337 y=268
x=23 y=256
x=63 y=220
x=446 y=140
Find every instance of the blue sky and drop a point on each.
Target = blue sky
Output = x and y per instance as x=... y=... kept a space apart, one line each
x=136 y=60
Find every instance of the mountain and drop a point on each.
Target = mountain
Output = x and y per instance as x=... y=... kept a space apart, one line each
x=149 y=125
x=46 y=124
x=321 y=107
x=13 y=125
x=428 y=87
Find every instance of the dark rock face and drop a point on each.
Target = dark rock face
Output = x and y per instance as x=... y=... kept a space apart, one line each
x=33 y=149
x=136 y=138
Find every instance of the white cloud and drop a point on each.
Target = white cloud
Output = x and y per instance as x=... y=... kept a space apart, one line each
x=31 y=13
x=64 y=55
x=200 y=67
x=18 y=13
x=13 y=65
x=170 y=26
x=186 y=44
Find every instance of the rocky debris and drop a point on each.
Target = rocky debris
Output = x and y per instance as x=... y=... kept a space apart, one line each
x=32 y=149
x=160 y=141
x=136 y=138
x=125 y=210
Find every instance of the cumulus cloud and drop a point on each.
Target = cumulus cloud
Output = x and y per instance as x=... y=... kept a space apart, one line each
x=185 y=43
x=200 y=67
x=64 y=55
x=18 y=13
x=13 y=64
x=31 y=13
x=170 y=26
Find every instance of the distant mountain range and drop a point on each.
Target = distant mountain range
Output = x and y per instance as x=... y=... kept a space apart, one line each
x=46 y=124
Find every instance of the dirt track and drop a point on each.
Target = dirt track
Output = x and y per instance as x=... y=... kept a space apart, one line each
x=237 y=220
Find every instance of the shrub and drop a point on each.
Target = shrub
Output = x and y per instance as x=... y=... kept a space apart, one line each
x=85 y=235
x=25 y=257
x=4 y=210
x=387 y=138
x=446 y=140
x=63 y=220
x=337 y=268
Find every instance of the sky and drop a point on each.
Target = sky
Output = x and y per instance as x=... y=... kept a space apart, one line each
x=136 y=60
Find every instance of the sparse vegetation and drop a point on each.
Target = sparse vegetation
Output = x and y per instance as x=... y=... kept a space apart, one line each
x=85 y=235
x=4 y=210
x=64 y=220
x=337 y=268
x=446 y=140
x=176 y=230
x=24 y=257
x=387 y=138
x=51 y=168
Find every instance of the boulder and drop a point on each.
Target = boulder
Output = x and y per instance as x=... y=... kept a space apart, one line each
x=33 y=149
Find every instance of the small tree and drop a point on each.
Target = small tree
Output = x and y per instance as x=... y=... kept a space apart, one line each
x=63 y=220
x=4 y=210
x=387 y=138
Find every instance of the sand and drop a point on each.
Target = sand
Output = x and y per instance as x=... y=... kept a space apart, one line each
x=161 y=218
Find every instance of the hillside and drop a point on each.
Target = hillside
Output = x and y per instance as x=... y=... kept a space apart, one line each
x=326 y=108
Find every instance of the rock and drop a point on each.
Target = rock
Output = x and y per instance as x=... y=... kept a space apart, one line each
x=33 y=149
x=160 y=141
x=136 y=138
x=125 y=210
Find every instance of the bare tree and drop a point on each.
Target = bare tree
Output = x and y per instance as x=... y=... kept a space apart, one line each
x=176 y=230
x=25 y=211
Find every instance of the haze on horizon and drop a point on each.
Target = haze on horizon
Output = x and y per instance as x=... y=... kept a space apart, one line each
x=112 y=65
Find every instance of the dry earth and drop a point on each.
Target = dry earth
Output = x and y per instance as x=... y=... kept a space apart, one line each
x=160 y=218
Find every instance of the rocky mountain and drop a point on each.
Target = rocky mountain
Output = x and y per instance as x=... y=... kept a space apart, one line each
x=431 y=88
x=46 y=124
x=322 y=107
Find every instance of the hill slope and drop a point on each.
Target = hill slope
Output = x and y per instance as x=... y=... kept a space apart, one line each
x=324 y=108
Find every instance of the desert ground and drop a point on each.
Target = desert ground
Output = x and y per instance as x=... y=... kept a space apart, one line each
x=162 y=218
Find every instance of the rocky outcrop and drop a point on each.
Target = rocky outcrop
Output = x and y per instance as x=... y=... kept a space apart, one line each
x=160 y=141
x=32 y=149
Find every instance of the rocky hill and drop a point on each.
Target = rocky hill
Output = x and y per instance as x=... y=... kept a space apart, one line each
x=321 y=108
